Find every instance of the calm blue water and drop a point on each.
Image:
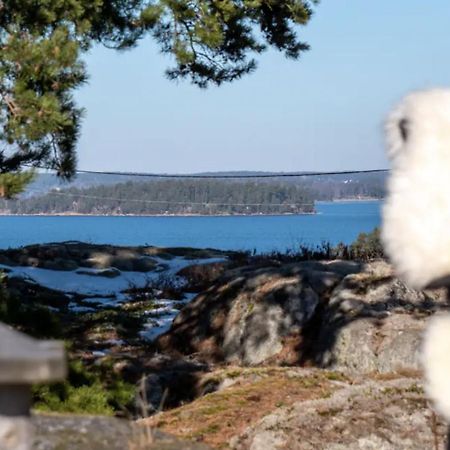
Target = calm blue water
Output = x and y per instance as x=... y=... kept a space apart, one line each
x=336 y=222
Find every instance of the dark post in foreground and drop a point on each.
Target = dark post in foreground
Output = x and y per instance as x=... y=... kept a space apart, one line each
x=24 y=361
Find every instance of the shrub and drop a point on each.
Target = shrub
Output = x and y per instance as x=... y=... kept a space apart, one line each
x=34 y=319
x=86 y=391
x=65 y=398
x=367 y=246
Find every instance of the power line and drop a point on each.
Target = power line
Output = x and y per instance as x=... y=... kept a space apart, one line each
x=232 y=176
x=207 y=176
x=226 y=176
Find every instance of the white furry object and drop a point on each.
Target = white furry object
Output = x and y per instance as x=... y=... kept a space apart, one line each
x=436 y=361
x=416 y=215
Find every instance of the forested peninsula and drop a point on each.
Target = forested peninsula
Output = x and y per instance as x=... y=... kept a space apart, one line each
x=107 y=195
x=170 y=197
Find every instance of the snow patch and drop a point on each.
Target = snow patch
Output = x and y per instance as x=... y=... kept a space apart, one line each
x=109 y=292
x=82 y=284
x=75 y=307
x=155 y=328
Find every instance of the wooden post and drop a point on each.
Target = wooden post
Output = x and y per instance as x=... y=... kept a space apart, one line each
x=24 y=361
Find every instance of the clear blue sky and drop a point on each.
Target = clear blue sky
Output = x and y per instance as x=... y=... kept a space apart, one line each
x=323 y=112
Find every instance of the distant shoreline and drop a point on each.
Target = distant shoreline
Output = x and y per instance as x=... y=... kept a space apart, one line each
x=74 y=214
x=153 y=215
x=351 y=200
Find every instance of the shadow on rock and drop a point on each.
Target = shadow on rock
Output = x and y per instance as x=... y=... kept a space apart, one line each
x=337 y=314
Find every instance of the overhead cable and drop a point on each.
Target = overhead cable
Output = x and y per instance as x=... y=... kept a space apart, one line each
x=237 y=175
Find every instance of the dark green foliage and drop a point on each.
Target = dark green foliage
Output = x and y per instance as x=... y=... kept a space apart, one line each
x=33 y=319
x=42 y=43
x=39 y=122
x=96 y=390
x=89 y=389
x=324 y=251
x=212 y=39
x=367 y=246
x=12 y=184
x=173 y=197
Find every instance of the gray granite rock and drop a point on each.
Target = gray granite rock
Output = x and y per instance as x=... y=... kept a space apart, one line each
x=373 y=322
x=337 y=314
x=101 y=433
x=374 y=415
x=252 y=316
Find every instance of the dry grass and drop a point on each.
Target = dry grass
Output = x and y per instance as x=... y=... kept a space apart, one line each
x=217 y=417
x=399 y=373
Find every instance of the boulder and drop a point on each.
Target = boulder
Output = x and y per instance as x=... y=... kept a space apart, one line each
x=337 y=314
x=250 y=316
x=372 y=322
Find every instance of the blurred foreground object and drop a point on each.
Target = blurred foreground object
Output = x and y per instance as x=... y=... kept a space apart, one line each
x=23 y=362
x=416 y=217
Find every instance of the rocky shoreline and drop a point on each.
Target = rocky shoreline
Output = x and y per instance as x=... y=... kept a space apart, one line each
x=260 y=354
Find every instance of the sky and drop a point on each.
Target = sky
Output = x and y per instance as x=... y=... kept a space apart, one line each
x=322 y=112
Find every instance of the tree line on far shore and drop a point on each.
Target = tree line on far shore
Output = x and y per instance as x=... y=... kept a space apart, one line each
x=197 y=197
x=168 y=197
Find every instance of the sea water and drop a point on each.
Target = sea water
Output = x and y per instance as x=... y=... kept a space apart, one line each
x=334 y=222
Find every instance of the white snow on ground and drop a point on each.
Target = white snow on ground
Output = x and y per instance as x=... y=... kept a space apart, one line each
x=109 y=291
x=156 y=327
x=82 y=284
x=78 y=308
x=105 y=301
x=160 y=318
x=73 y=282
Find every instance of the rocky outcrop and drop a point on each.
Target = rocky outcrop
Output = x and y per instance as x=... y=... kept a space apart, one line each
x=373 y=322
x=381 y=415
x=251 y=315
x=101 y=433
x=342 y=315
x=267 y=408
x=220 y=375
x=71 y=255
